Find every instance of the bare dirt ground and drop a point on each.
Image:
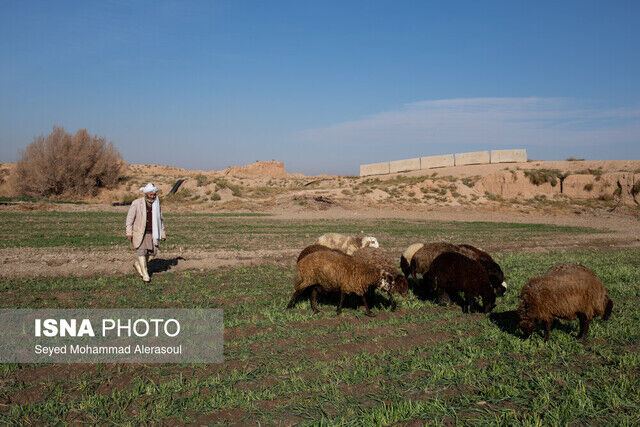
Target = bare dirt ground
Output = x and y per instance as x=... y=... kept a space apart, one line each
x=18 y=262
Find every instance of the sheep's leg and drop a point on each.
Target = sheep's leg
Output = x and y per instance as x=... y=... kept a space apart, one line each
x=314 y=296
x=339 y=311
x=584 y=325
x=547 y=329
x=466 y=302
x=393 y=302
x=366 y=306
x=296 y=294
x=607 y=310
x=442 y=297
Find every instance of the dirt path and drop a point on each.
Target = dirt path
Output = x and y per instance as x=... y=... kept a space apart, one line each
x=63 y=262
x=622 y=231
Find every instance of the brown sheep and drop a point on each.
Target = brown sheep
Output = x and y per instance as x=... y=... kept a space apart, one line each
x=424 y=256
x=346 y=244
x=567 y=267
x=496 y=276
x=329 y=271
x=567 y=291
x=452 y=272
x=407 y=256
x=314 y=248
x=377 y=258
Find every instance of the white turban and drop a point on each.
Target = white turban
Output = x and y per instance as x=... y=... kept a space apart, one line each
x=149 y=188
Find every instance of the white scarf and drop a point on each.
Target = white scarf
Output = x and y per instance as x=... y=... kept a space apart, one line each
x=156 y=221
x=156 y=216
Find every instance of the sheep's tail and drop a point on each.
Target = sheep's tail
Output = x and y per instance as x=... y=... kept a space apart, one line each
x=607 y=310
x=297 y=282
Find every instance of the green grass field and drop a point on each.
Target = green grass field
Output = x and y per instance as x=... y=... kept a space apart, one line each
x=422 y=363
x=243 y=231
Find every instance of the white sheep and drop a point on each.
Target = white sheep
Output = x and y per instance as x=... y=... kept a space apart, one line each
x=347 y=244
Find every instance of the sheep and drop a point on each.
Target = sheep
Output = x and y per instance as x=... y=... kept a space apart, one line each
x=565 y=267
x=407 y=256
x=566 y=291
x=423 y=257
x=314 y=248
x=452 y=272
x=346 y=244
x=496 y=276
x=376 y=257
x=330 y=271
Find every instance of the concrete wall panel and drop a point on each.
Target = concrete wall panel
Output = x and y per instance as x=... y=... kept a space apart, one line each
x=404 y=165
x=437 y=161
x=506 y=156
x=374 y=169
x=474 y=158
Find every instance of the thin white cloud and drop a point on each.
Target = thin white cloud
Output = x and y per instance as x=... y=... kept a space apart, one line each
x=488 y=122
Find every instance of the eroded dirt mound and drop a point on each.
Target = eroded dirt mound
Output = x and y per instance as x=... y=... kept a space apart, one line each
x=272 y=169
x=589 y=184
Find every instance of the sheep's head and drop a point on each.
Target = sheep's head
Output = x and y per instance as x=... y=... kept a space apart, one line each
x=527 y=327
x=496 y=277
x=370 y=241
x=400 y=285
x=501 y=289
x=526 y=322
x=386 y=281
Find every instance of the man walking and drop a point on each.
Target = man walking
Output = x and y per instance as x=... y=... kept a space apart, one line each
x=144 y=228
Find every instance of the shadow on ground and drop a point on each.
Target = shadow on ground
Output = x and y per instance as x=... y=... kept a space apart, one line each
x=159 y=265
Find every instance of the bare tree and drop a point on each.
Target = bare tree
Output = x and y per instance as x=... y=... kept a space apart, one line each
x=62 y=165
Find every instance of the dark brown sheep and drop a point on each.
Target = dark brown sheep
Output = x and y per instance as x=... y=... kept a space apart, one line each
x=331 y=271
x=452 y=272
x=422 y=259
x=496 y=276
x=566 y=291
x=376 y=257
x=314 y=248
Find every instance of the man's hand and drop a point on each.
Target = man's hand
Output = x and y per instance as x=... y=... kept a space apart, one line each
x=130 y=242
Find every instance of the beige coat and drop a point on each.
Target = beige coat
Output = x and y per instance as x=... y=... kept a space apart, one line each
x=137 y=221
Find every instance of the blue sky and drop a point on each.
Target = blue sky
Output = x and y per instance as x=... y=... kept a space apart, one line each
x=323 y=86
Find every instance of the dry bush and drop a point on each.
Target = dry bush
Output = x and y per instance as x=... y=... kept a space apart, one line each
x=61 y=165
x=540 y=176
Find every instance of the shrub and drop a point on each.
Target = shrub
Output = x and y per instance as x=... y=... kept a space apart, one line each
x=595 y=172
x=588 y=187
x=201 y=180
x=62 y=165
x=470 y=181
x=636 y=188
x=540 y=176
x=215 y=197
x=222 y=183
x=573 y=159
